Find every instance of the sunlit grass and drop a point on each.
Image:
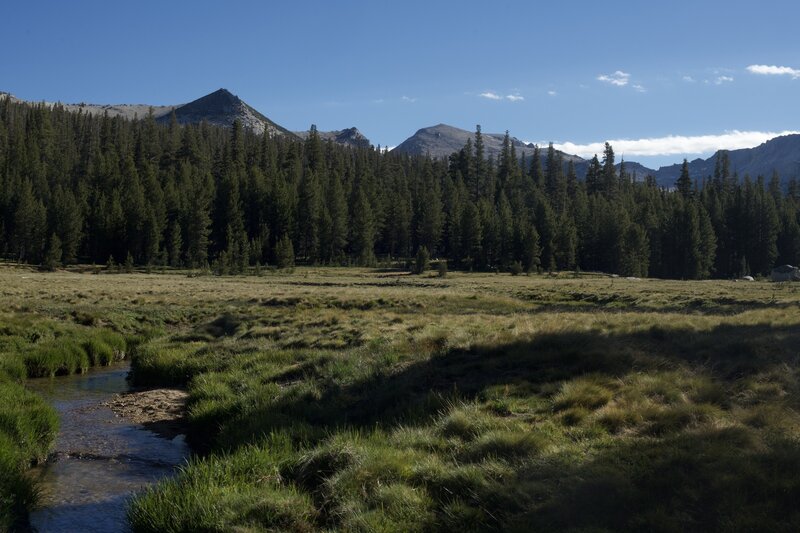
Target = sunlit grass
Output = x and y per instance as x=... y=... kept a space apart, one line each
x=356 y=400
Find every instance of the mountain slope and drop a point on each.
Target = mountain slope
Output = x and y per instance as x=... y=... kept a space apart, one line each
x=347 y=137
x=128 y=111
x=781 y=154
x=442 y=140
x=222 y=108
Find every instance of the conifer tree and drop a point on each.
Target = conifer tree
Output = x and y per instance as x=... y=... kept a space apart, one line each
x=684 y=183
x=52 y=257
x=566 y=242
x=309 y=211
x=336 y=239
x=284 y=252
x=431 y=216
x=594 y=176
x=175 y=244
x=422 y=261
x=530 y=253
x=30 y=225
x=364 y=229
x=610 y=182
x=471 y=234
x=67 y=221
x=480 y=165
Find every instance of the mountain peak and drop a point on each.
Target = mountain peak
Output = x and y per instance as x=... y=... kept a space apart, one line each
x=222 y=108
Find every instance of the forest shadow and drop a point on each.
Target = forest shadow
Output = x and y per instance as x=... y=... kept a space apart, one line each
x=705 y=477
x=420 y=389
x=713 y=307
x=712 y=479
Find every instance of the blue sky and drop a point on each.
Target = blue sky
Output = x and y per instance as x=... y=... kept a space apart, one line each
x=573 y=72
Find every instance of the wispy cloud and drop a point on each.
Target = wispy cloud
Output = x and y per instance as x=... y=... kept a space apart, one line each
x=552 y=93
x=408 y=99
x=618 y=78
x=688 y=79
x=723 y=79
x=774 y=70
x=491 y=95
x=639 y=88
x=675 y=144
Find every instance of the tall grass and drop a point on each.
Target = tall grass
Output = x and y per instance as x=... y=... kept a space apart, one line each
x=27 y=428
x=36 y=347
x=71 y=355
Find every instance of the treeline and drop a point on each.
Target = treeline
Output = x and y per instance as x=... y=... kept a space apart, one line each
x=81 y=188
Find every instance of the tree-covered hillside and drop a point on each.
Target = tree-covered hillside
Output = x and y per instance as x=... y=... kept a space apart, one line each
x=81 y=188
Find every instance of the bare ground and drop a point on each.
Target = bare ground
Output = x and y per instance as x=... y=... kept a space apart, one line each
x=161 y=411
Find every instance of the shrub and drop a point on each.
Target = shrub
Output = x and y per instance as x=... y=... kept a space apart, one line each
x=422 y=261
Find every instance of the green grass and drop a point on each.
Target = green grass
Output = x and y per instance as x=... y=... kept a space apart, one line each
x=356 y=400
x=27 y=428
x=34 y=346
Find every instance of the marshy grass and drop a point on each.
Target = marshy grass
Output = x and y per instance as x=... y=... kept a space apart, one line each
x=30 y=347
x=74 y=354
x=358 y=400
x=28 y=425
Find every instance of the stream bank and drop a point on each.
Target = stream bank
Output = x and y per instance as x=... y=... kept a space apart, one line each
x=101 y=458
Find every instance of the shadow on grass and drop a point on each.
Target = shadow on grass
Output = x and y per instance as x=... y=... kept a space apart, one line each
x=709 y=477
x=419 y=390
x=699 y=306
x=706 y=480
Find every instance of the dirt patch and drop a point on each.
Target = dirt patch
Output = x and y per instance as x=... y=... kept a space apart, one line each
x=162 y=411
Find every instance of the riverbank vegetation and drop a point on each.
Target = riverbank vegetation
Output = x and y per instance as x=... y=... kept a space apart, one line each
x=374 y=400
x=35 y=345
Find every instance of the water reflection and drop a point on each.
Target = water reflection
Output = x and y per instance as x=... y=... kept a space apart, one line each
x=99 y=459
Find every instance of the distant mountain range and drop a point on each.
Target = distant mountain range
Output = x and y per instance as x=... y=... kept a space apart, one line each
x=220 y=108
x=781 y=154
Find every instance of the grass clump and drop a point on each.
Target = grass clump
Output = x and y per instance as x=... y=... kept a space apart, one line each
x=56 y=358
x=27 y=428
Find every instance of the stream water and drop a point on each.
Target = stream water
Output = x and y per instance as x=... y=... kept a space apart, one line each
x=99 y=459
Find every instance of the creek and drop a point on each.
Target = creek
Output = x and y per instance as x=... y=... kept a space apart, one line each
x=99 y=459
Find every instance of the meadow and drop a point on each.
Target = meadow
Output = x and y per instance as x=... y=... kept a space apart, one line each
x=373 y=400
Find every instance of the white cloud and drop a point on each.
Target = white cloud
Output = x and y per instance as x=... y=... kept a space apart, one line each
x=639 y=88
x=618 y=78
x=774 y=70
x=688 y=79
x=491 y=96
x=674 y=144
x=515 y=98
x=723 y=79
x=408 y=99
x=552 y=93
